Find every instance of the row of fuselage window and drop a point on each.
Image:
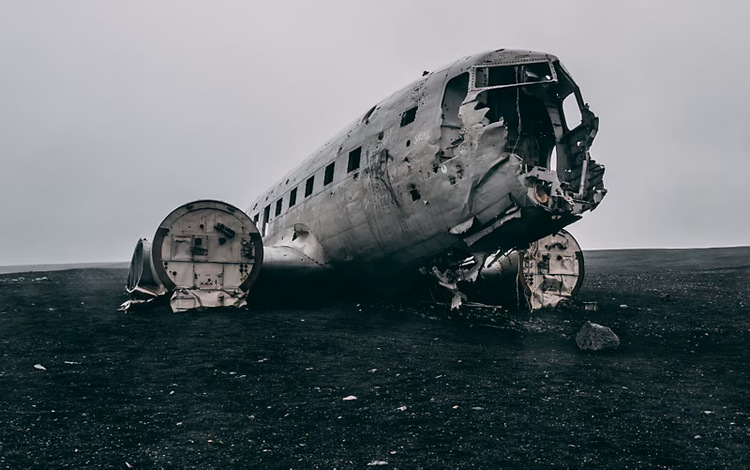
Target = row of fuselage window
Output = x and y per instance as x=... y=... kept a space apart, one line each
x=353 y=164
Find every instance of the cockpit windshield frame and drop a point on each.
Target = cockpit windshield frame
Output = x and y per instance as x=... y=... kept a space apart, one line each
x=482 y=74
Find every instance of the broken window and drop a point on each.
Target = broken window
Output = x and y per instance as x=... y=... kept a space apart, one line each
x=293 y=197
x=354 y=157
x=408 y=116
x=328 y=177
x=278 y=207
x=514 y=75
x=309 y=186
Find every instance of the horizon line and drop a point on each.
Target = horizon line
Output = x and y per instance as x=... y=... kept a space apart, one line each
x=585 y=250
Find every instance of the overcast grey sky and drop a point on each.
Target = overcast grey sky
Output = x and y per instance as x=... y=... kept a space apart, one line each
x=114 y=113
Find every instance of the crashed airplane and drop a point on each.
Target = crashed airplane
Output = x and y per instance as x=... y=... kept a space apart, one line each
x=467 y=176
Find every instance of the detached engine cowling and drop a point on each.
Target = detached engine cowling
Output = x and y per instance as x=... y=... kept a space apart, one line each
x=206 y=253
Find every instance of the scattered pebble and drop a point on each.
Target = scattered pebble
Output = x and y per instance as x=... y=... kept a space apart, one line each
x=350 y=398
x=39 y=367
x=401 y=408
x=376 y=463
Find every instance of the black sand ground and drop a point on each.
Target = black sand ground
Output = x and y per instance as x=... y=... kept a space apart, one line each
x=265 y=389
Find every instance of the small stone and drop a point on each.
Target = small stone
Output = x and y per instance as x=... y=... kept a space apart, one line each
x=401 y=408
x=350 y=398
x=376 y=463
x=697 y=436
x=595 y=337
x=39 y=367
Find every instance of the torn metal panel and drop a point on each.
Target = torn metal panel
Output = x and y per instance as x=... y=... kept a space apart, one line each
x=184 y=299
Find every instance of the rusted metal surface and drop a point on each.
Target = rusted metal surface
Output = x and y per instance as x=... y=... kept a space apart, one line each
x=472 y=159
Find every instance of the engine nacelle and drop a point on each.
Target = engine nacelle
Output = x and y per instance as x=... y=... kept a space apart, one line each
x=549 y=271
x=206 y=253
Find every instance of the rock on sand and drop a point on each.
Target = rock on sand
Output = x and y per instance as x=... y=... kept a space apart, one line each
x=595 y=337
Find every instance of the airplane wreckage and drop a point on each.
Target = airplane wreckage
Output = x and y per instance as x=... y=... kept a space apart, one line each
x=466 y=177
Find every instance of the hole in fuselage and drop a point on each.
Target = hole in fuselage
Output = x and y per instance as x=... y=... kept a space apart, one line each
x=408 y=116
x=415 y=196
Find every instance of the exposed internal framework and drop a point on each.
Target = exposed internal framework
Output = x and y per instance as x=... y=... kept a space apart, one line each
x=514 y=113
x=518 y=109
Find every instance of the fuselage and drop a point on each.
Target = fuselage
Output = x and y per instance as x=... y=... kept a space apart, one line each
x=477 y=155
